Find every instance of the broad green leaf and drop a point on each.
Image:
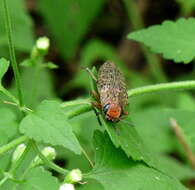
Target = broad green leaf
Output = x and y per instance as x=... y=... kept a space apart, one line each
x=73 y=20
x=186 y=102
x=22 y=26
x=39 y=179
x=153 y=125
x=124 y=135
x=174 y=40
x=49 y=125
x=115 y=171
x=4 y=65
x=8 y=123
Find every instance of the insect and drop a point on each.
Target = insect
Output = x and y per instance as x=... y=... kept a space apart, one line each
x=112 y=93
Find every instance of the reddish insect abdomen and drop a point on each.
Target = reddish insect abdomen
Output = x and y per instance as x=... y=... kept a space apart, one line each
x=112 y=90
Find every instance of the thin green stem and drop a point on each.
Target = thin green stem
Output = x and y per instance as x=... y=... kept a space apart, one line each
x=20 y=160
x=14 y=167
x=81 y=109
x=184 y=85
x=3 y=180
x=76 y=103
x=12 y=52
x=137 y=23
x=12 y=144
x=48 y=162
x=86 y=107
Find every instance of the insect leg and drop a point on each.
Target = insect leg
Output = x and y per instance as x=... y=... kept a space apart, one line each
x=95 y=95
x=97 y=115
x=91 y=74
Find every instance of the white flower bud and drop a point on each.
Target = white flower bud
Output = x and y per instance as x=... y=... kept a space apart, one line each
x=74 y=176
x=48 y=152
x=18 y=152
x=43 y=43
x=41 y=47
x=67 y=186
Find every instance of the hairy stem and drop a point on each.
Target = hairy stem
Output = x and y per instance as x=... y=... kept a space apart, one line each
x=162 y=87
x=12 y=52
x=12 y=144
x=85 y=105
x=81 y=109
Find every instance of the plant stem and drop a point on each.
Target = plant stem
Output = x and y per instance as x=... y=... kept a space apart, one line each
x=183 y=85
x=12 y=144
x=81 y=109
x=179 y=133
x=15 y=166
x=162 y=87
x=20 y=160
x=75 y=103
x=137 y=23
x=12 y=52
x=48 y=162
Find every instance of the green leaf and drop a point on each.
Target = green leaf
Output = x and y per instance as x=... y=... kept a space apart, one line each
x=49 y=125
x=186 y=102
x=39 y=179
x=4 y=65
x=22 y=26
x=69 y=21
x=8 y=123
x=124 y=135
x=153 y=125
x=174 y=40
x=115 y=171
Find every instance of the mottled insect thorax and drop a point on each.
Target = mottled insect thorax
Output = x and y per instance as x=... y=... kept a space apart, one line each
x=111 y=85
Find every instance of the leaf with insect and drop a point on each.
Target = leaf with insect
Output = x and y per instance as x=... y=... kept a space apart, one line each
x=124 y=135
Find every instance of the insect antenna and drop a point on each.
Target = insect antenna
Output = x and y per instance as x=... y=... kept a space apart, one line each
x=90 y=73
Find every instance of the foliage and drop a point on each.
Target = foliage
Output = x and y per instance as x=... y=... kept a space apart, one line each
x=173 y=39
x=65 y=141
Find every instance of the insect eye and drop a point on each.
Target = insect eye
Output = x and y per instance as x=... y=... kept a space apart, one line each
x=105 y=108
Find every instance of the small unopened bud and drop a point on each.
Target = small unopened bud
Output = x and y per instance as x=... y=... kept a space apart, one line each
x=43 y=44
x=18 y=152
x=48 y=152
x=74 y=176
x=67 y=186
x=41 y=47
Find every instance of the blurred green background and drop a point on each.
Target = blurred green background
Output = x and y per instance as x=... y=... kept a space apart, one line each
x=84 y=33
